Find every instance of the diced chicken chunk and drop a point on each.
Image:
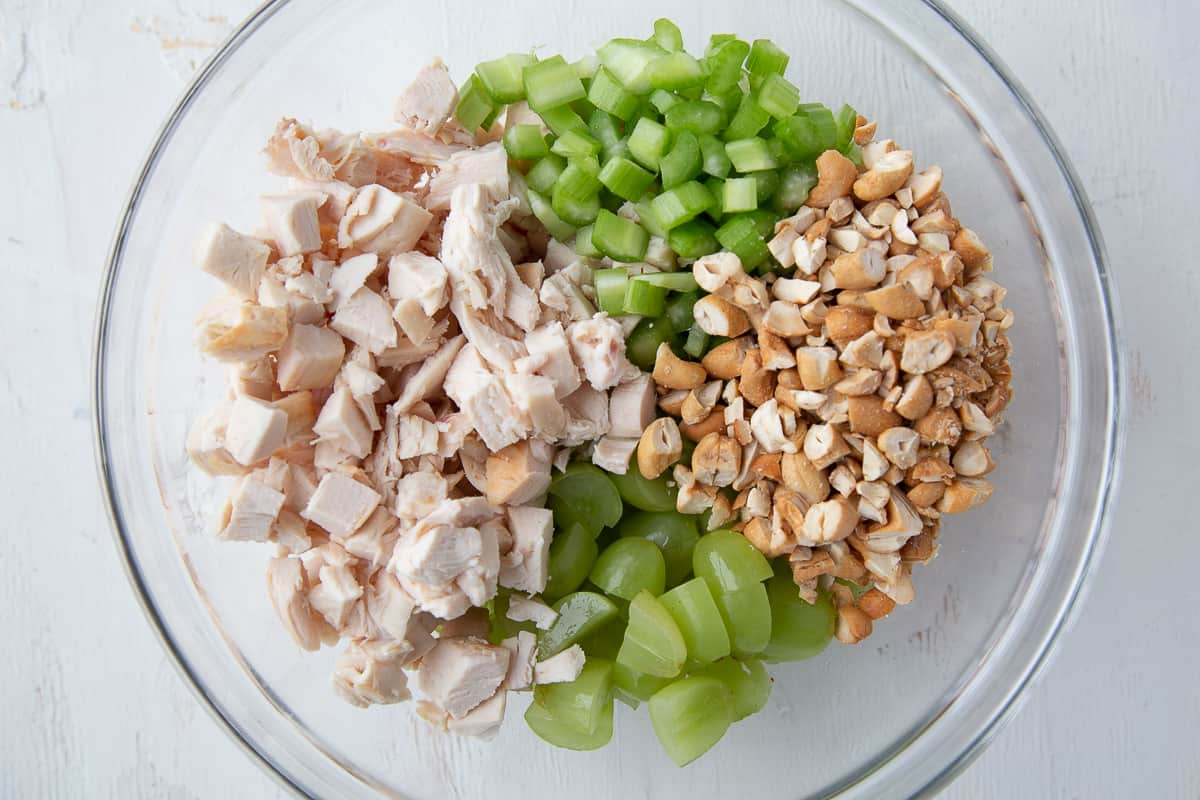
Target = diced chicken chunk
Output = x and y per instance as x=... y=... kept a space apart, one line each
x=294 y=150
x=599 y=349
x=292 y=221
x=486 y=166
x=241 y=331
x=351 y=275
x=528 y=609
x=253 y=508
x=415 y=436
x=550 y=355
x=534 y=397
x=428 y=378
x=418 y=277
x=335 y=594
x=370 y=673
x=561 y=668
x=310 y=358
x=427 y=102
x=255 y=430
x=523 y=649
x=380 y=221
x=341 y=423
x=631 y=406
x=235 y=259
x=286 y=587
x=587 y=416
x=482 y=722
x=524 y=567
x=206 y=444
x=518 y=473
x=482 y=396
x=340 y=504
x=365 y=318
x=613 y=454
x=459 y=673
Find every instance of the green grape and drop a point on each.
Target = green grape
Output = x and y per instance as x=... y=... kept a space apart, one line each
x=580 y=704
x=643 y=493
x=728 y=561
x=579 y=614
x=572 y=553
x=559 y=734
x=584 y=494
x=799 y=629
x=690 y=716
x=653 y=644
x=748 y=681
x=627 y=566
x=692 y=607
x=675 y=534
x=605 y=642
x=747 y=616
x=637 y=685
x=500 y=627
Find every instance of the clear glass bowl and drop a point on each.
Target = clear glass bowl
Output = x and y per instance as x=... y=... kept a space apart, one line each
x=896 y=716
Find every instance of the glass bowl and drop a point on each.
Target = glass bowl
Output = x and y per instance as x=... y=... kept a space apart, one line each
x=895 y=716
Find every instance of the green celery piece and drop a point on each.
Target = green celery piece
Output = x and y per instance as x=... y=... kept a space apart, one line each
x=681 y=204
x=799 y=629
x=502 y=78
x=644 y=299
x=739 y=194
x=648 y=142
x=551 y=83
x=683 y=162
x=572 y=553
x=610 y=289
x=583 y=243
x=607 y=94
x=690 y=716
x=629 y=566
x=740 y=235
x=697 y=116
x=679 y=311
x=574 y=144
x=766 y=183
x=674 y=281
x=693 y=239
x=748 y=121
x=795 y=182
x=475 y=105
x=584 y=494
x=574 y=210
x=579 y=614
x=748 y=155
x=674 y=533
x=543 y=175
x=525 y=142
x=724 y=62
x=667 y=35
x=716 y=162
x=627 y=59
x=625 y=179
x=653 y=644
x=543 y=209
x=619 y=238
x=675 y=72
x=563 y=119
x=778 y=96
x=765 y=58
x=692 y=606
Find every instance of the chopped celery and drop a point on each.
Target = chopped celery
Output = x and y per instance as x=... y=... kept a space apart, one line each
x=627 y=59
x=739 y=194
x=675 y=534
x=583 y=243
x=525 y=142
x=740 y=236
x=653 y=644
x=697 y=116
x=573 y=144
x=618 y=238
x=648 y=142
x=667 y=35
x=551 y=83
x=697 y=341
x=766 y=183
x=823 y=123
x=572 y=209
x=572 y=553
x=563 y=119
x=644 y=299
x=766 y=58
x=544 y=211
x=502 y=78
x=683 y=162
x=693 y=239
x=795 y=182
x=584 y=494
x=724 y=63
x=716 y=162
x=579 y=614
x=674 y=281
x=778 y=96
x=543 y=175
x=648 y=217
x=629 y=566
x=607 y=94
x=748 y=155
x=676 y=206
x=625 y=179
x=662 y=100
x=692 y=606
x=603 y=127
x=610 y=289
x=748 y=121
x=690 y=716
x=578 y=180
x=475 y=105
x=641 y=346
x=674 y=71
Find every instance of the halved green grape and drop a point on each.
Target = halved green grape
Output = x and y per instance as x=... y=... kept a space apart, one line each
x=636 y=684
x=647 y=494
x=728 y=561
x=606 y=641
x=629 y=566
x=579 y=614
x=747 y=616
x=641 y=346
x=500 y=627
x=748 y=682
x=692 y=607
x=549 y=728
x=675 y=534
x=653 y=644
x=584 y=494
x=690 y=716
x=799 y=629
x=580 y=704
x=572 y=553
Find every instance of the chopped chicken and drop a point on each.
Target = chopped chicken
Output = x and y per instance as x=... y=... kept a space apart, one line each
x=237 y=260
x=419 y=493
x=255 y=429
x=560 y=293
x=299 y=307
x=380 y=221
x=534 y=397
x=206 y=444
x=519 y=473
x=351 y=275
x=587 y=416
x=599 y=347
x=286 y=587
x=374 y=539
x=370 y=673
x=253 y=507
x=396 y=616
x=482 y=396
x=292 y=221
x=482 y=722
x=240 y=331
x=459 y=673
x=365 y=318
x=523 y=650
x=428 y=101
x=525 y=566
x=429 y=376
x=613 y=453
x=335 y=594
x=420 y=278
x=416 y=436
x=310 y=358
x=562 y=668
x=341 y=423
x=486 y=166
x=631 y=406
x=340 y=504
x=294 y=150
x=528 y=609
x=550 y=356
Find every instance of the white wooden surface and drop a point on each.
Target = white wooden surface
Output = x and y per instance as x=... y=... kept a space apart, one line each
x=92 y=707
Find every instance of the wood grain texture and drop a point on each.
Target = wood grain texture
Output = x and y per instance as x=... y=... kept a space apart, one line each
x=92 y=706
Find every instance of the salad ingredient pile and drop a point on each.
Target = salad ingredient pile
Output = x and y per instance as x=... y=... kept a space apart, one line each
x=613 y=379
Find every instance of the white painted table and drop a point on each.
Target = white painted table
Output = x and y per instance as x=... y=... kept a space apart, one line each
x=91 y=705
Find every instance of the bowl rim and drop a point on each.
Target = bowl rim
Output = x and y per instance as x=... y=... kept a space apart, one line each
x=1065 y=615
